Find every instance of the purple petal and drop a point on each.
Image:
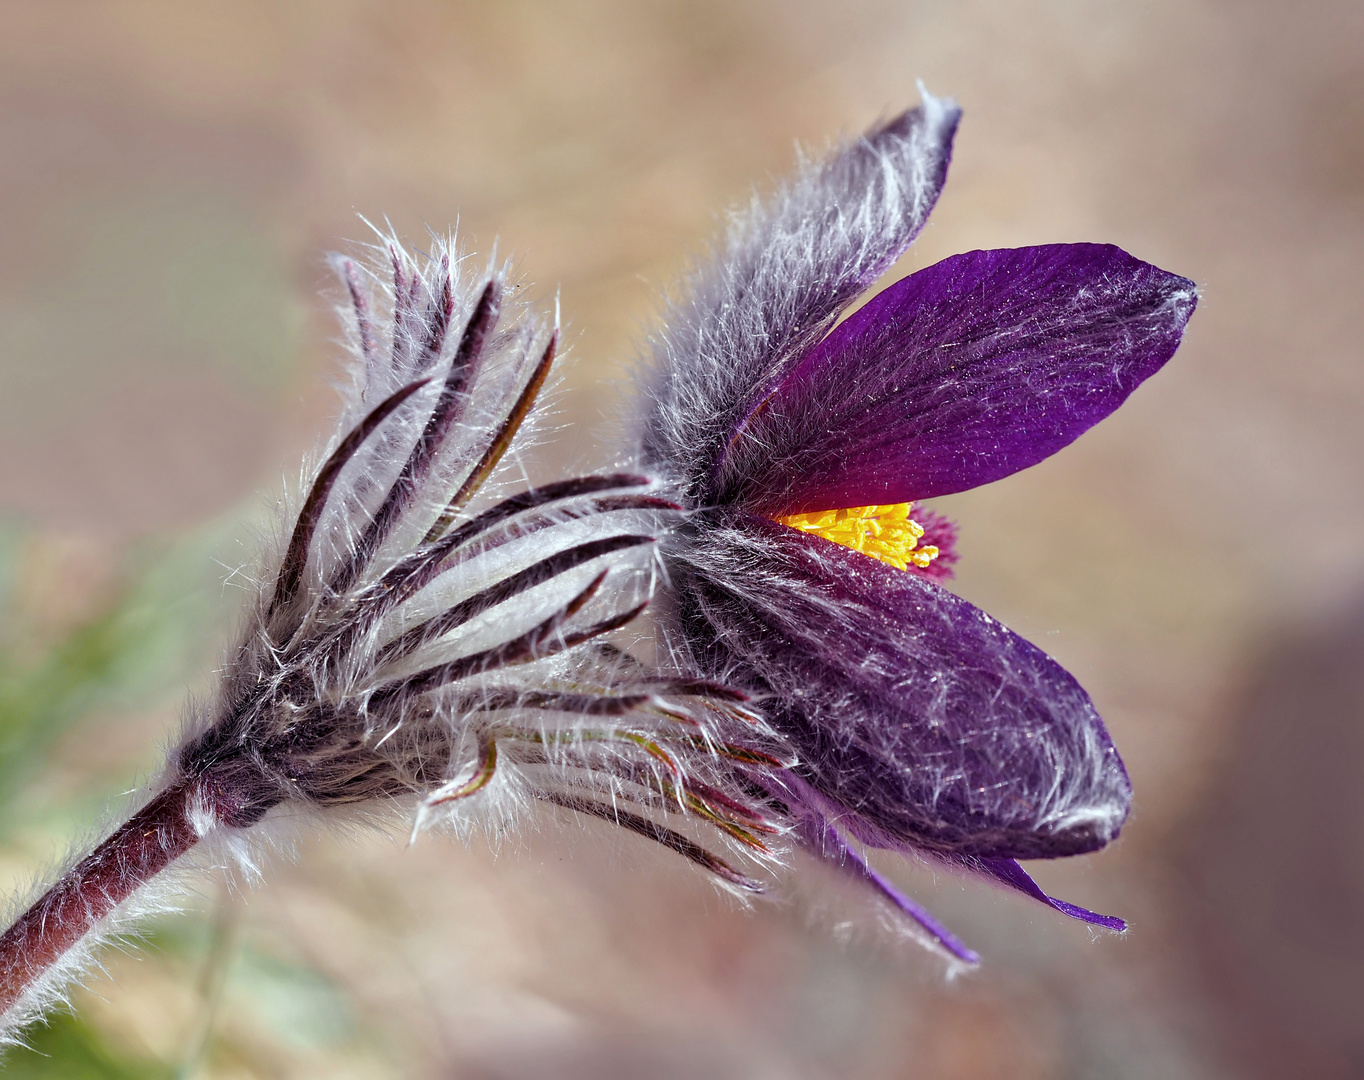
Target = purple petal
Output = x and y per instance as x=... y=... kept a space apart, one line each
x=788 y=268
x=825 y=841
x=963 y=373
x=1008 y=872
x=929 y=722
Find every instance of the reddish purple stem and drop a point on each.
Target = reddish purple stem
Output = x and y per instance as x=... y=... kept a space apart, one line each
x=136 y=852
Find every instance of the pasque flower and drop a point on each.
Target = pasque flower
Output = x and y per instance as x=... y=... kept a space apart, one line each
x=418 y=642
x=800 y=446
x=420 y=639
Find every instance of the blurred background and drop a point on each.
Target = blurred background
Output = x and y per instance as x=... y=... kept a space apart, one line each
x=170 y=177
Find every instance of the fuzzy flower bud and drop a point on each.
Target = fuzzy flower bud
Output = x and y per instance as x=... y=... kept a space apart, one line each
x=416 y=640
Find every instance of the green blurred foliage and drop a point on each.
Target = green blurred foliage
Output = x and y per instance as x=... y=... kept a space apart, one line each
x=130 y=654
x=69 y=1049
x=159 y=628
x=296 y=1004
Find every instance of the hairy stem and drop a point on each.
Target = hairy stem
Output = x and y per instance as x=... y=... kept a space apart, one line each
x=134 y=853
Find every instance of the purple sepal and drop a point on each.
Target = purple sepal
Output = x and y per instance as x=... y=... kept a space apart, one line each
x=819 y=836
x=968 y=371
x=783 y=275
x=1008 y=872
x=913 y=711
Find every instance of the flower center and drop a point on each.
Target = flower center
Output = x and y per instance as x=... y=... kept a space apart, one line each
x=886 y=533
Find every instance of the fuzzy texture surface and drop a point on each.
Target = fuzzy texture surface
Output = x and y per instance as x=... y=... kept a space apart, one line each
x=777 y=283
x=417 y=640
x=921 y=723
x=421 y=640
x=956 y=376
x=912 y=710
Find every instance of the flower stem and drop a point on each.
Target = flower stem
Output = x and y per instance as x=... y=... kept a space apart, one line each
x=134 y=853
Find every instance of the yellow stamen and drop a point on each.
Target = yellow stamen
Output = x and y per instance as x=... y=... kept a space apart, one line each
x=884 y=532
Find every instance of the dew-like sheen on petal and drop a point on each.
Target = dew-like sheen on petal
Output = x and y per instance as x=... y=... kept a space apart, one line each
x=968 y=371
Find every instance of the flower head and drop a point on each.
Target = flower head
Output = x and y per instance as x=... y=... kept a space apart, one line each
x=800 y=446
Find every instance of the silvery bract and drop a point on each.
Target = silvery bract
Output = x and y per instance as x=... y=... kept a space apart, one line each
x=418 y=641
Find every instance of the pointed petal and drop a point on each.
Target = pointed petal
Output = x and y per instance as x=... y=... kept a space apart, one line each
x=963 y=373
x=787 y=269
x=1008 y=872
x=820 y=837
x=929 y=721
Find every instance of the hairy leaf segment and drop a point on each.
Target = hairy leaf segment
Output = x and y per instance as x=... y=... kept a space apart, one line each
x=405 y=648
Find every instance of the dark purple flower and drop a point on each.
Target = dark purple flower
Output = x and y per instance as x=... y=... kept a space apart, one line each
x=922 y=724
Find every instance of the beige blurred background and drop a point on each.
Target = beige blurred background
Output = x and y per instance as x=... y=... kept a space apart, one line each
x=170 y=177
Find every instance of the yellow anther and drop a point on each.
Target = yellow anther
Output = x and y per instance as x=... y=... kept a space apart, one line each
x=886 y=533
